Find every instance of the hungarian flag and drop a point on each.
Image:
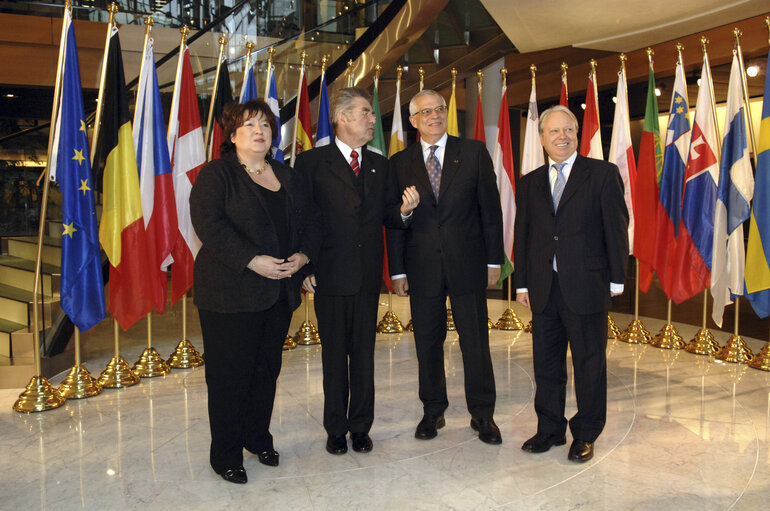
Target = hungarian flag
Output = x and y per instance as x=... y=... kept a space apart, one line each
x=672 y=183
x=532 y=154
x=591 y=138
x=452 y=128
x=397 y=138
x=692 y=262
x=622 y=152
x=121 y=232
x=736 y=187
x=82 y=287
x=757 y=268
x=156 y=183
x=646 y=202
x=324 y=134
x=503 y=164
x=223 y=96
x=478 y=126
x=188 y=154
x=303 y=127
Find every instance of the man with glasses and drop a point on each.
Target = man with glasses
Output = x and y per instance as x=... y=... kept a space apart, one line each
x=452 y=247
x=348 y=184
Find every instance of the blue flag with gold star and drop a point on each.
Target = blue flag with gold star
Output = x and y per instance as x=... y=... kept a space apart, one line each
x=82 y=287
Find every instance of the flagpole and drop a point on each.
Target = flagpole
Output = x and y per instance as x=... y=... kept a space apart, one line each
x=596 y=89
x=210 y=120
x=421 y=73
x=303 y=55
x=564 y=68
x=735 y=349
x=532 y=72
x=636 y=332
x=509 y=320
x=249 y=46
x=704 y=342
x=185 y=356
x=270 y=53
x=39 y=395
x=351 y=83
x=762 y=359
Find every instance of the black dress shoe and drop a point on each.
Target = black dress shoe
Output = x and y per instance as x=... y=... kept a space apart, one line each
x=489 y=433
x=235 y=475
x=336 y=444
x=362 y=442
x=427 y=427
x=581 y=451
x=269 y=457
x=541 y=442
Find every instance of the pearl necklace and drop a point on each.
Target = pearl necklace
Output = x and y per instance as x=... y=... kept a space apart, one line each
x=254 y=171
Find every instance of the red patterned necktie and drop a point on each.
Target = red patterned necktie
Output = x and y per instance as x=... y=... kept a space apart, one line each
x=354 y=163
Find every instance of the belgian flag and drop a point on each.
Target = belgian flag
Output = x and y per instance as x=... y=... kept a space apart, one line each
x=121 y=231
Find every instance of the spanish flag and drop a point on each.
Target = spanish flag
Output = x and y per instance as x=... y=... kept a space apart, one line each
x=121 y=231
x=303 y=138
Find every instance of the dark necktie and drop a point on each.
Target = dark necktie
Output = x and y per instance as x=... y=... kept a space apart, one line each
x=558 y=186
x=354 y=163
x=434 y=170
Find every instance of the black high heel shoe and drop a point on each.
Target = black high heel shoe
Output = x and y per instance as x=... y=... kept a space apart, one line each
x=235 y=475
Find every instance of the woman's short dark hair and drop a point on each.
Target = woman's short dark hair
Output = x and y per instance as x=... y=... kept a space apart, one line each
x=234 y=116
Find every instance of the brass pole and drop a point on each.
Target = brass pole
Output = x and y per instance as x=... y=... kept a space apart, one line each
x=509 y=291
x=704 y=41
x=636 y=293
x=351 y=82
x=222 y=43
x=270 y=53
x=184 y=316
x=112 y=9
x=303 y=55
x=421 y=74
x=737 y=314
x=596 y=89
x=77 y=346
x=564 y=68
x=377 y=71
x=149 y=329
x=116 y=331
x=249 y=46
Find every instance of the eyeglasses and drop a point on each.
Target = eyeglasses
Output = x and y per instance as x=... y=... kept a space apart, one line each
x=425 y=112
x=362 y=114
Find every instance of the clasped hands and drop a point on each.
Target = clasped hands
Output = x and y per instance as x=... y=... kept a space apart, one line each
x=277 y=269
x=401 y=285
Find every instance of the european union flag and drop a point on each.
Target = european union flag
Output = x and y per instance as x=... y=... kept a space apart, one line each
x=82 y=287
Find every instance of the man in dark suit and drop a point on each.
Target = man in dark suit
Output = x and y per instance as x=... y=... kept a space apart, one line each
x=570 y=257
x=453 y=246
x=348 y=184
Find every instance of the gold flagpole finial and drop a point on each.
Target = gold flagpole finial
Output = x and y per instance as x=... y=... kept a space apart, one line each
x=399 y=72
x=564 y=68
x=679 y=49
x=112 y=8
x=302 y=57
x=623 y=59
x=351 y=83
x=222 y=41
x=703 y=42
x=480 y=79
x=421 y=73
x=593 y=64
x=453 y=72
x=650 y=52
x=270 y=55
x=324 y=60
x=377 y=71
x=249 y=46
x=737 y=35
x=185 y=31
x=503 y=74
x=532 y=70
x=148 y=21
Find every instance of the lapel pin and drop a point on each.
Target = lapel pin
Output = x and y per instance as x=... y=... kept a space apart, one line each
x=457 y=161
x=373 y=171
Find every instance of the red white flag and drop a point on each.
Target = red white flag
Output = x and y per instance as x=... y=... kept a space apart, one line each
x=188 y=155
x=622 y=152
x=591 y=139
x=564 y=94
x=478 y=126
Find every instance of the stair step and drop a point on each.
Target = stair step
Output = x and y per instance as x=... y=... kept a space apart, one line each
x=25 y=247
x=20 y=273
x=6 y=329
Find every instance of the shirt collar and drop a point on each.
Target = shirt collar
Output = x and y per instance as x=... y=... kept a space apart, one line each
x=569 y=161
x=346 y=149
x=441 y=144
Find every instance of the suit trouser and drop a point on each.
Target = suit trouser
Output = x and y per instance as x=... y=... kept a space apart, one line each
x=347 y=326
x=586 y=335
x=470 y=316
x=243 y=360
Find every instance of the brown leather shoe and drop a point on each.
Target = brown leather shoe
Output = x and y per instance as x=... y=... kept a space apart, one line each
x=581 y=451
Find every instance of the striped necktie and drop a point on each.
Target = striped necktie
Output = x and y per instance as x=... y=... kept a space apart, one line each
x=354 y=163
x=558 y=186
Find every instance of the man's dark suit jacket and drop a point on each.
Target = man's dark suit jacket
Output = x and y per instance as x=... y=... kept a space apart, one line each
x=449 y=242
x=231 y=220
x=588 y=235
x=348 y=247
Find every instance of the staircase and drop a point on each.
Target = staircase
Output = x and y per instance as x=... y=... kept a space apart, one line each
x=17 y=276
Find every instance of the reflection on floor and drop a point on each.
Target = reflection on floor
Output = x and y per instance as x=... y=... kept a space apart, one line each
x=683 y=432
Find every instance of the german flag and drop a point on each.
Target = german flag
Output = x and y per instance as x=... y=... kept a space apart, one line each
x=223 y=96
x=121 y=231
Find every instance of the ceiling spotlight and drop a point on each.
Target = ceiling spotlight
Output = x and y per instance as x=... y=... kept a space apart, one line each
x=615 y=99
x=583 y=106
x=657 y=91
x=698 y=82
x=10 y=96
x=752 y=70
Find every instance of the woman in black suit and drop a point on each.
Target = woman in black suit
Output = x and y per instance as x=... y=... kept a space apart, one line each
x=247 y=210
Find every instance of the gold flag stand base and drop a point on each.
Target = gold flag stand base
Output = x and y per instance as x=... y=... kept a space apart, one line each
x=151 y=364
x=307 y=334
x=409 y=326
x=703 y=343
x=390 y=324
x=450 y=321
x=761 y=360
x=636 y=333
x=118 y=374
x=613 y=332
x=735 y=351
x=490 y=325
x=528 y=327
x=509 y=321
x=288 y=343
x=39 y=396
x=668 y=338
x=185 y=356
x=79 y=384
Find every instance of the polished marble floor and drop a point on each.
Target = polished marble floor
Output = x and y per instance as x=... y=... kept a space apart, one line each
x=683 y=432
